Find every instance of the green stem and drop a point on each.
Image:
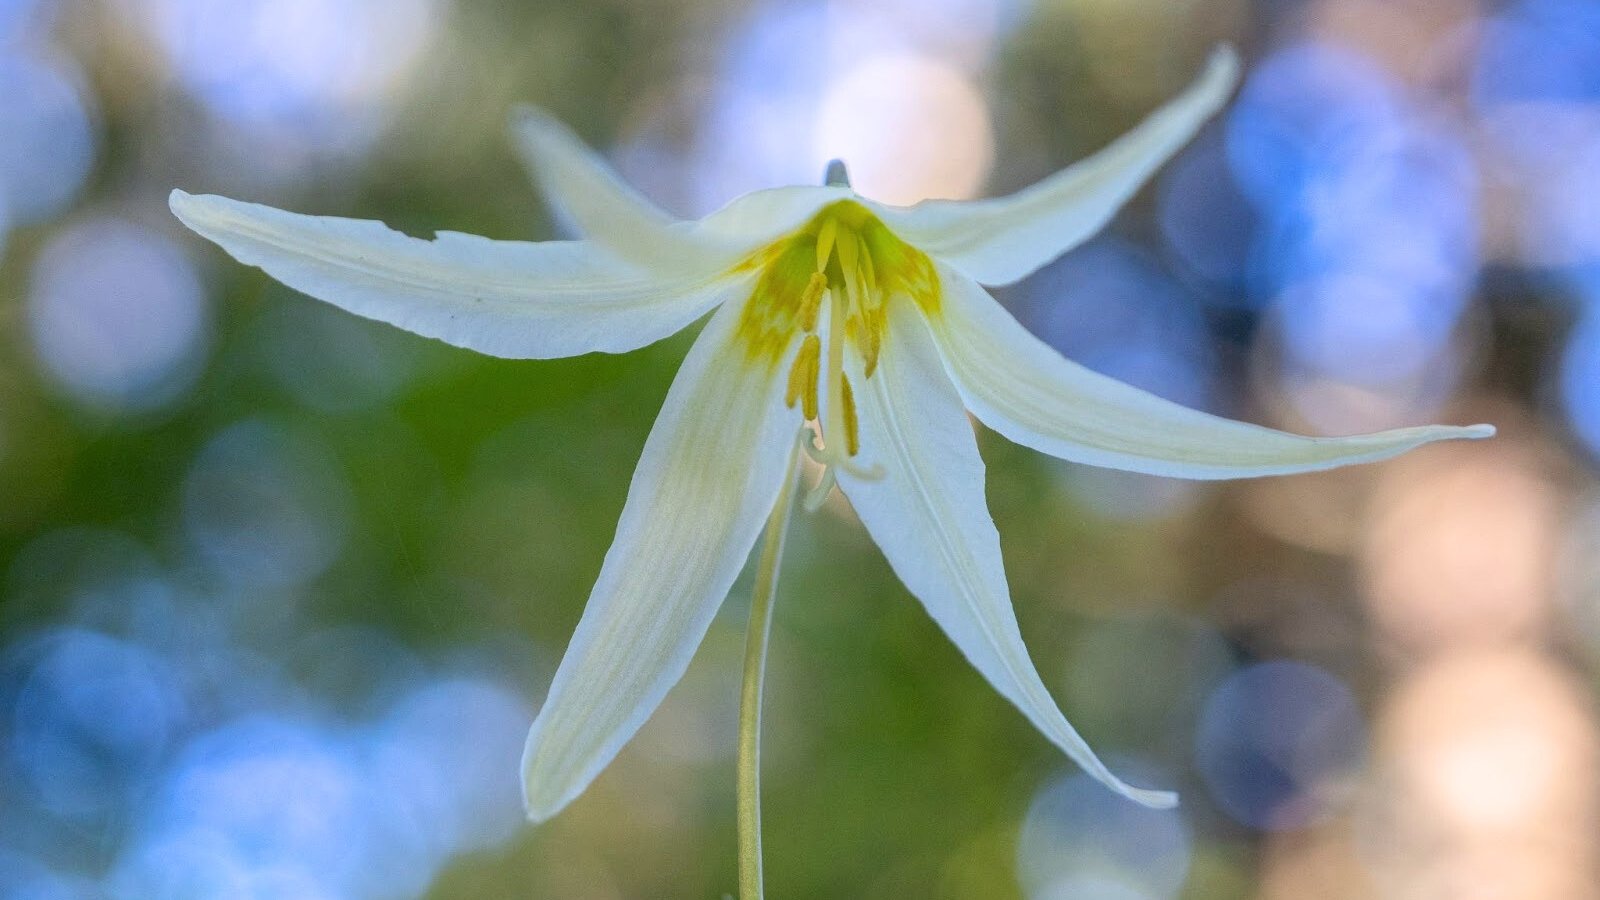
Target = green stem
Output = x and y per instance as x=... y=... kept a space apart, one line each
x=755 y=671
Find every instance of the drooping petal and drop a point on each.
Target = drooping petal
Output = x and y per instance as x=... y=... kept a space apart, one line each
x=1024 y=389
x=504 y=298
x=1001 y=240
x=589 y=194
x=586 y=192
x=927 y=513
x=710 y=473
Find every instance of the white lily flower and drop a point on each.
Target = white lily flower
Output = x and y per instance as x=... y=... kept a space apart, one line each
x=865 y=319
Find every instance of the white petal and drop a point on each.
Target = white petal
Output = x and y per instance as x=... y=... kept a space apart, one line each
x=504 y=298
x=1025 y=390
x=709 y=476
x=585 y=190
x=1002 y=240
x=927 y=512
x=760 y=217
x=582 y=189
x=726 y=238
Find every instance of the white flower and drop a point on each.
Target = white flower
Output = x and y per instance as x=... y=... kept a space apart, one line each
x=864 y=318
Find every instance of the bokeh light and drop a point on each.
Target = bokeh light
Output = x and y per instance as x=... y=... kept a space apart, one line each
x=1488 y=763
x=1302 y=111
x=1114 y=309
x=757 y=129
x=263 y=506
x=909 y=128
x=1368 y=247
x=274 y=796
x=963 y=33
x=1579 y=383
x=1206 y=221
x=301 y=65
x=47 y=134
x=453 y=796
x=1538 y=98
x=1077 y=841
x=1279 y=744
x=339 y=811
x=802 y=83
x=1461 y=548
x=117 y=315
x=92 y=718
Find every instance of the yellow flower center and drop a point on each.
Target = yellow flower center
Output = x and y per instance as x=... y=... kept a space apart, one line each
x=847 y=262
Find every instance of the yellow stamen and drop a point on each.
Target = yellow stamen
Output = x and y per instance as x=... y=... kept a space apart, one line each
x=871 y=341
x=848 y=261
x=852 y=425
x=811 y=301
x=844 y=249
x=869 y=274
x=833 y=429
x=803 y=377
x=825 y=238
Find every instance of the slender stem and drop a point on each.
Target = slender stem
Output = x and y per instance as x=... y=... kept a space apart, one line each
x=755 y=671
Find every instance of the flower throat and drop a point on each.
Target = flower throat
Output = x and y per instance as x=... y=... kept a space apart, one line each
x=847 y=262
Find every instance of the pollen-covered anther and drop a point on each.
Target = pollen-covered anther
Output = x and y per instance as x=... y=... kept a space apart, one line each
x=803 y=377
x=811 y=300
x=866 y=330
x=847 y=414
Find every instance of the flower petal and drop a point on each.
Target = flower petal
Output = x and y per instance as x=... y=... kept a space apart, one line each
x=709 y=476
x=928 y=514
x=1024 y=389
x=1001 y=240
x=503 y=298
x=583 y=189
x=589 y=194
x=760 y=217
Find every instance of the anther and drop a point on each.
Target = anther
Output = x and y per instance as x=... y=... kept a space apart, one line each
x=852 y=425
x=811 y=301
x=870 y=340
x=803 y=377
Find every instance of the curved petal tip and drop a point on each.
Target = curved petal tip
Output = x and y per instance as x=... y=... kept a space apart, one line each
x=1151 y=799
x=183 y=204
x=540 y=808
x=1478 y=432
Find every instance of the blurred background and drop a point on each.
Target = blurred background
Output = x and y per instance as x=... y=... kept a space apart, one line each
x=281 y=589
